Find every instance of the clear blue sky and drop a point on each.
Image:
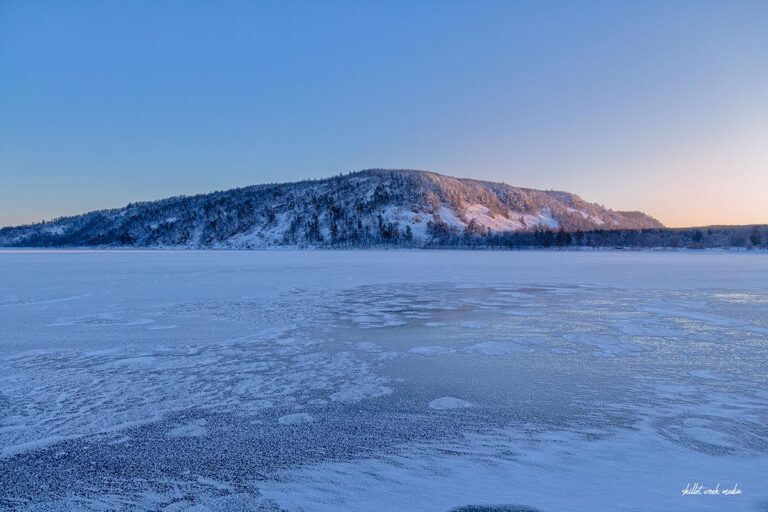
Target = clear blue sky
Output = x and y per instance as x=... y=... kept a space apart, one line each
x=658 y=106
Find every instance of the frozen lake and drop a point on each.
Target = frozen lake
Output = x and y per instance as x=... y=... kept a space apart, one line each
x=383 y=381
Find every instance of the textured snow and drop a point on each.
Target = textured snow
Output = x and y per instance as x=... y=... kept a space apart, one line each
x=382 y=380
x=295 y=419
x=193 y=429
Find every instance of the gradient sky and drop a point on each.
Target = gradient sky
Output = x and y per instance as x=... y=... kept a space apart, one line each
x=656 y=106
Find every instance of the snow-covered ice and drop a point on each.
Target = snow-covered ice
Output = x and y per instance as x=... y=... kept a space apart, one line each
x=193 y=429
x=382 y=380
x=295 y=419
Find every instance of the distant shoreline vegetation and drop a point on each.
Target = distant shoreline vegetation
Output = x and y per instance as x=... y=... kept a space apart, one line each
x=713 y=237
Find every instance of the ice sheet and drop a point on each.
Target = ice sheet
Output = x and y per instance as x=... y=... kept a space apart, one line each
x=382 y=380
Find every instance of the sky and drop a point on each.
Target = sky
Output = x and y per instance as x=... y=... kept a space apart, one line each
x=658 y=106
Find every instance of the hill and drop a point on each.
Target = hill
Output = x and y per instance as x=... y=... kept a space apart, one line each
x=366 y=208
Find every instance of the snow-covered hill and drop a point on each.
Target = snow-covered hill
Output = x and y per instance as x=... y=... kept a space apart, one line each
x=358 y=209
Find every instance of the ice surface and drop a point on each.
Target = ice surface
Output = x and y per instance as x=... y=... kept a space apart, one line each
x=448 y=402
x=394 y=380
x=495 y=348
x=431 y=350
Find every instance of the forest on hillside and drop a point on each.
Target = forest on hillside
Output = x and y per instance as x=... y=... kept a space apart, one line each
x=712 y=237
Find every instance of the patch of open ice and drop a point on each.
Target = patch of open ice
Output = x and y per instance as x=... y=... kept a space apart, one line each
x=14 y=301
x=756 y=329
x=496 y=348
x=102 y=320
x=473 y=324
x=162 y=327
x=431 y=350
x=448 y=402
x=360 y=392
x=609 y=346
x=645 y=329
x=707 y=375
x=514 y=312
